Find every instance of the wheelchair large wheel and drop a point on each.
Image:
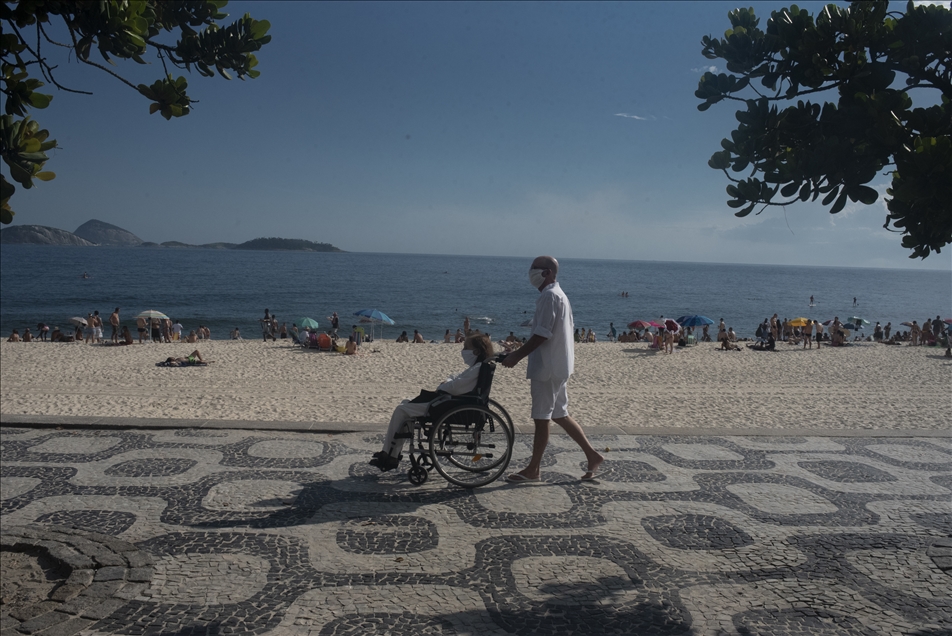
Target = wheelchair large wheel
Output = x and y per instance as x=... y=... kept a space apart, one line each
x=471 y=446
x=496 y=408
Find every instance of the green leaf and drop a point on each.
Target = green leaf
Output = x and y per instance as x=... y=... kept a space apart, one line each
x=39 y=100
x=45 y=176
x=840 y=203
x=864 y=194
x=789 y=189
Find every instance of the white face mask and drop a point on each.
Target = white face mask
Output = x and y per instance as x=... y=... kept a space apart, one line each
x=536 y=278
x=469 y=358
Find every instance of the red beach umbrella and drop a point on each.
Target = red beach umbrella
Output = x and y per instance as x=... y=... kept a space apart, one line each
x=639 y=324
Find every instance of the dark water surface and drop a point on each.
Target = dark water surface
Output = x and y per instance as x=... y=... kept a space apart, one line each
x=224 y=289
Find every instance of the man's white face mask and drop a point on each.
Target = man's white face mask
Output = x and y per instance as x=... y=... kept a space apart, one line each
x=469 y=358
x=536 y=277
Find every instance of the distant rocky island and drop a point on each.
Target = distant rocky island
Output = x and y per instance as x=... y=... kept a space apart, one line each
x=97 y=233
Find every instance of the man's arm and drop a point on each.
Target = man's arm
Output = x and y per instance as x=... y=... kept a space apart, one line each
x=513 y=358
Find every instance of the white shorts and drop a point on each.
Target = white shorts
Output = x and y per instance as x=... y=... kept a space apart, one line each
x=550 y=399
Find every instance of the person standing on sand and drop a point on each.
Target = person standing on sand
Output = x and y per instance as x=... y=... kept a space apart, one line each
x=819 y=333
x=551 y=354
x=807 y=335
x=140 y=327
x=114 y=323
x=886 y=330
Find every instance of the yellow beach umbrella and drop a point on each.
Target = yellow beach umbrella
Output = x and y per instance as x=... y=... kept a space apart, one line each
x=800 y=322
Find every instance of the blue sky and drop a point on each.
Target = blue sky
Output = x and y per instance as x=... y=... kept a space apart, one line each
x=459 y=128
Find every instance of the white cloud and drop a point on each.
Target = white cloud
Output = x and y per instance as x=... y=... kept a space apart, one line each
x=705 y=69
x=941 y=3
x=634 y=117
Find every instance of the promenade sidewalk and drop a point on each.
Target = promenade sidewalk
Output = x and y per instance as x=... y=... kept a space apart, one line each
x=120 y=525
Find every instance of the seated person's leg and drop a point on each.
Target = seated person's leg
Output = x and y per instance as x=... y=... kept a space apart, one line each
x=390 y=456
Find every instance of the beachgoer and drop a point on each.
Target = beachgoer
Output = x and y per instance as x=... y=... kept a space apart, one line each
x=177 y=330
x=114 y=323
x=448 y=337
x=141 y=328
x=551 y=361
x=335 y=324
x=14 y=337
x=915 y=331
x=403 y=337
x=877 y=332
x=192 y=337
x=819 y=333
x=808 y=335
x=193 y=359
x=721 y=331
x=417 y=336
x=43 y=330
x=727 y=345
x=854 y=301
x=477 y=349
x=512 y=337
x=126 y=335
x=612 y=334
x=886 y=330
x=811 y=301
x=460 y=337
x=27 y=336
x=236 y=335
x=466 y=329
x=165 y=324
x=350 y=349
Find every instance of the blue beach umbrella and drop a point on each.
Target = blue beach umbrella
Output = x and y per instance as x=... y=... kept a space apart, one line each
x=694 y=321
x=375 y=316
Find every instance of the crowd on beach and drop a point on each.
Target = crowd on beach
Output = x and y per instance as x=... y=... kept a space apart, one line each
x=663 y=335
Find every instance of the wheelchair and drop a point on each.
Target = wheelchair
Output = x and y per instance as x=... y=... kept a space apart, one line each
x=466 y=438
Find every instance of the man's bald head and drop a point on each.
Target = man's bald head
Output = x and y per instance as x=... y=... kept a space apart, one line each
x=546 y=262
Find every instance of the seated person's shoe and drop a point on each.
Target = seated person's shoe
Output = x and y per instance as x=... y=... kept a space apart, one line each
x=385 y=462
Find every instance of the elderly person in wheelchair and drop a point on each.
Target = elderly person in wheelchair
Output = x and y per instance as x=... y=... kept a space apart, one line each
x=477 y=349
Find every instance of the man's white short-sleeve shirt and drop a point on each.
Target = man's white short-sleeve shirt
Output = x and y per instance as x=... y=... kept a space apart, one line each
x=555 y=358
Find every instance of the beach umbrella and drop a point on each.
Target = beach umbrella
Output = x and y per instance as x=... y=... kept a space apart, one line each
x=639 y=325
x=906 y=324
x=76 y=320
x=306 y=323
x=694 y=321
x=856 y=320
x=151 y=313
x=375 y=316
x=656 y=325
x=851 y=325
x=800 y=322
x=947 y=321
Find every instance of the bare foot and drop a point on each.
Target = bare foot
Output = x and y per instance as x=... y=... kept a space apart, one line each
x=593 y=465
x=522 y=476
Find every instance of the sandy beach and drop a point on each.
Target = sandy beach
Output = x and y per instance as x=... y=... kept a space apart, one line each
x=861 y=387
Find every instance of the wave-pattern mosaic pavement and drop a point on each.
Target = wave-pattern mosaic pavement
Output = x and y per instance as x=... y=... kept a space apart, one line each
x=292 y=533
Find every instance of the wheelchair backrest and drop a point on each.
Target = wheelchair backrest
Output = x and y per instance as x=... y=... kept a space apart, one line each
x=484 y=383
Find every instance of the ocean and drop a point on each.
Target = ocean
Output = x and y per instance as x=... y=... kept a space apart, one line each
x=224 y=289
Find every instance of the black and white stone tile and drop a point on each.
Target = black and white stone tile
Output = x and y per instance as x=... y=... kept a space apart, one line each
x=249 y=532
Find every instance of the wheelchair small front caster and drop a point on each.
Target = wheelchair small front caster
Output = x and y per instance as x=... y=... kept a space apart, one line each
x=418 y=475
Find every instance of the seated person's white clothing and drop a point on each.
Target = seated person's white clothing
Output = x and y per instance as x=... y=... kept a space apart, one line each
x=407 y=410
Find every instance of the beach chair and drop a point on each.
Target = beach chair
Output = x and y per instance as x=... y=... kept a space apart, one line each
x=466 y=438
